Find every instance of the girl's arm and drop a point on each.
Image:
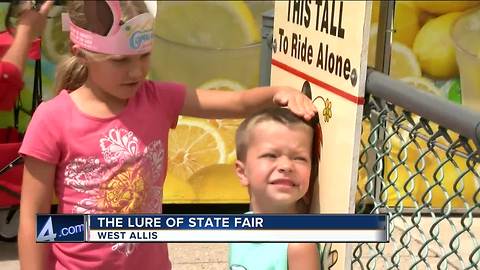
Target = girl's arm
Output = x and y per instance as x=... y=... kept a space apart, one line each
x=30 y=25
x=303 y=256
x=36 y=197
x=238 y=104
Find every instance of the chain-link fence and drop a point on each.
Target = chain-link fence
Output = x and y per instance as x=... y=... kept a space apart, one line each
x=419 y=163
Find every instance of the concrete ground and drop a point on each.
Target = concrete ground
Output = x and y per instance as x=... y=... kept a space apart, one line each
x=183 y=256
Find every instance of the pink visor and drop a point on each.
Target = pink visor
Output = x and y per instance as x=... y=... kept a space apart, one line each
x=130 y=38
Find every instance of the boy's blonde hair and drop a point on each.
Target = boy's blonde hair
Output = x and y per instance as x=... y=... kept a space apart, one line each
x=71 y=72
x=277 y=114
x=286 y=117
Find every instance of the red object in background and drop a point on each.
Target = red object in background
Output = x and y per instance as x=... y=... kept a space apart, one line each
x=11 y=167
x=11 y=78
x=11 y=178
x=11 y=83
x=6 y=40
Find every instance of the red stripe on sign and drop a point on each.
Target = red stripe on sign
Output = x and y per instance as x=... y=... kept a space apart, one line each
x=324 y=85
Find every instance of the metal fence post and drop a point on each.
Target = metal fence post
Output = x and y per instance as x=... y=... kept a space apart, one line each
x=266 y=51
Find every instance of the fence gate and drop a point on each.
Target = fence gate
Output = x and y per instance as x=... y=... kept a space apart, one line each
x=419 y=163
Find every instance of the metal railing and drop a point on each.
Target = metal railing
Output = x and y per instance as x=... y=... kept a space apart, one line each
x=420 y=164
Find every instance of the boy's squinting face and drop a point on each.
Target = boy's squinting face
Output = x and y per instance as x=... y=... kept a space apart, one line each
x=120 y=76
x=277 y=165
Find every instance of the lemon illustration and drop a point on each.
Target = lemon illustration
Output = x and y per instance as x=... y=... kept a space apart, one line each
x=399 y=178
x=219 y=184
x=213 y=39
x=406 y=178
x=406 y=23
x=209 y=24
x=424 y=84
x=55 y=42
x=222 y=84
x=226 y=127
x=198 y=151
x=404 y=63
x=442 y=7
x=362 y=173
x=424 y=17
x=177 y=190
x=434 y=47
x=192 y=145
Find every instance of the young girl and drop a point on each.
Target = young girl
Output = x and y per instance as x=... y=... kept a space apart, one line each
x=276 y=161
x=101 y=144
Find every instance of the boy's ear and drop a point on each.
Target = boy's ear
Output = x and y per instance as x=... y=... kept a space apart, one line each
x=240 y=171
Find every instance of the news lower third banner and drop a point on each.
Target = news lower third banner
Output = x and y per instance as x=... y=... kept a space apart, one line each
x=212 y=228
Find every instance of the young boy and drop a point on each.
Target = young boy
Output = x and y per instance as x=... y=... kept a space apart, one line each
x=276 y=160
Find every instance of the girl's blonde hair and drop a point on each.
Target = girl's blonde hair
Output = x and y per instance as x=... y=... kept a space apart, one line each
x=71 y=72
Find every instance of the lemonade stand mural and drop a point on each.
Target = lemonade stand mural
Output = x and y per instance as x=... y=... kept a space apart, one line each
x=432 y=42
x=426 y=52
x=208 y=45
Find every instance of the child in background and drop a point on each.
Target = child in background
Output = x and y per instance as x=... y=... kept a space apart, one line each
x=29 y=26
x=101 y=144
x=277 y=159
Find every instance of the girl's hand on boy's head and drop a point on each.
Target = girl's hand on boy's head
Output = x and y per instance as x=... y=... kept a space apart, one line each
x=239 y=104
x=296 y=101
x=33 y=21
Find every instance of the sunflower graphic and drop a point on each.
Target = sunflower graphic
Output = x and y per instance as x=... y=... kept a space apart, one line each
x=123 y=193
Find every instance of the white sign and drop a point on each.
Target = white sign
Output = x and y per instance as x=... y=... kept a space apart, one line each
x=326 y=44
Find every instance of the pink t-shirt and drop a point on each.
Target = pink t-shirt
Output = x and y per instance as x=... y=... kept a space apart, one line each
x=113 y=165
